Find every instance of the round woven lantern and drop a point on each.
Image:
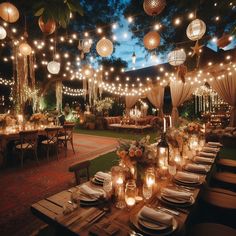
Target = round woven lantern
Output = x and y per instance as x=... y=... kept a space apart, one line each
x=223 y=41
x=177 y=57
x=196 y=29
x=154 y=7
x=9 y=12
x=151 y=40
x=3 y=33
x=54 y=67
x=25 y=49
x=49 y=27
x=104 y=47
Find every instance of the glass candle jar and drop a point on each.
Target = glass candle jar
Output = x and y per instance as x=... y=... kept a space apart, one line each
x=130 y=193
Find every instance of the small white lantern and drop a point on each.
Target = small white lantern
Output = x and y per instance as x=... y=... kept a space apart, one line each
x=3 y=33
x=196 y=29
x=104 y=47
x=177 y=57
x=25 y=49
x=54 y=67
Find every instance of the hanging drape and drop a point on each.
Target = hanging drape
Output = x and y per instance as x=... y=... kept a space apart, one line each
x=226 y=89
x=180 y=92
x=156 y=97
x=130 y=102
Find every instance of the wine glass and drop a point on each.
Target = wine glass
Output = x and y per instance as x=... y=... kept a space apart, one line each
x=107 y=185
x=147 y=191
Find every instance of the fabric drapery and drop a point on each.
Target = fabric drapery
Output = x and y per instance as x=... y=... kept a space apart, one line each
x=180 y=92
x=156 y=97
x=130 y=102
x=226 y=89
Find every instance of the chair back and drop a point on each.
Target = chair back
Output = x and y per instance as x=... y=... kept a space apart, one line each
x=52 y=135
x=30 y=138
x=77 y=168
x=69 y=130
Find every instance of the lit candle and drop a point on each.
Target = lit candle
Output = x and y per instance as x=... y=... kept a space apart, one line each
x=170 y=121
x=130 y=201
x=150 y=181
x=119 y=180
x=164 y=124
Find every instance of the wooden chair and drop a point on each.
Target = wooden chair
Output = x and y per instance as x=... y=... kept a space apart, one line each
x=51 y=140
x=28 y=142
x=77 y=168
x=224 y=164
x=207 y=229
x=225 y=180
x=68 y=130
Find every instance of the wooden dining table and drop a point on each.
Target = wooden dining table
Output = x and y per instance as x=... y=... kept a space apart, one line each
x=80 y=221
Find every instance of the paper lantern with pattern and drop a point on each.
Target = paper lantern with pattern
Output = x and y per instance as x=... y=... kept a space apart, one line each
x=25 y=49
x=196 y=29
x=154 y=7
x=104 y=47
x=3 y=33
x=177 y=57
x=54 y=67
x=151 y=40
x=9 y=12
x=49 y=27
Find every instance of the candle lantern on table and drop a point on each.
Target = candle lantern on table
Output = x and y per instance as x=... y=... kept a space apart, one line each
x=162 y=155
x=193 y=143
x=130 y=193
x=150 y=177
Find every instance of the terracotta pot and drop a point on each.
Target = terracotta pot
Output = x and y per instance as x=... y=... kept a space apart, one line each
x=49 y=27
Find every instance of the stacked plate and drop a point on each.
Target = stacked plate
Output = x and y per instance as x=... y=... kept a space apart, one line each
x=177 y=197
x=197 y=168
x=99 y=178
x=203 y=160
x=214 y=144
x=154 y=222
x=185 y=178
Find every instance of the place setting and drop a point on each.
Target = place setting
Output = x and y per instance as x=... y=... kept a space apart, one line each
x=100 y=177
x=187 y=179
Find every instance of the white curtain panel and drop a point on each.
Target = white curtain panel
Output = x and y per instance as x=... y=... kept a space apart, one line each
x=156 y=97
x=130 y=102
x=226 y=89
x=180 y=92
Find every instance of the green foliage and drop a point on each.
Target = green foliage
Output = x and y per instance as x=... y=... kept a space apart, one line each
x=57 y=10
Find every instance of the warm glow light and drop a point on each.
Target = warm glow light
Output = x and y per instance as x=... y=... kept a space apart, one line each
x=53 y=67
x=25 y=49
x=177 y=21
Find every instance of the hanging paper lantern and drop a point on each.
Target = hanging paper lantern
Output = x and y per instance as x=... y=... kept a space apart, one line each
x=54 y=67
x=154 y=7
x=104 y=47
x=196 y=29
x=49 y=27
x=9 y=12
x=151 y=40
x=25 y=49
x=224 y=41
x=3 y=33
x=177 y=57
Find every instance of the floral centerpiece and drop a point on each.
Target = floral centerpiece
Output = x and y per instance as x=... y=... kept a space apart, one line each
x=136 y=155
x=193 y=128
x=103 y=105
x=7 y=120
x=38 y=117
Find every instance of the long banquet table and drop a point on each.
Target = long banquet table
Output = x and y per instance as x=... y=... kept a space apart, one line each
x=50 y=210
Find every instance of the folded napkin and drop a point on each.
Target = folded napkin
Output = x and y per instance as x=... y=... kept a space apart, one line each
x=204 y=159
x=94 y=193
x=206 y=154
x=210 y=149
x=215 y=144
x=176 y=194
x=187 y=176
x=152 y=215
x=102 y=175
x=196 y=167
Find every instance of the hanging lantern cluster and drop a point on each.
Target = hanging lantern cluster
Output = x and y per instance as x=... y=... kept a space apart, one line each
x=154 y=7
x=104 y=47
x=177 y=57
x=54 y=67
x=196 y=29
x=49 y=27
x=151 y=40
x=8 y=12
x=3 y=33
x=84 y=46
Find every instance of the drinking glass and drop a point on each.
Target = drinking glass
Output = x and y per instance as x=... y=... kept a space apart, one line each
x=107 y=185
x=147 y=191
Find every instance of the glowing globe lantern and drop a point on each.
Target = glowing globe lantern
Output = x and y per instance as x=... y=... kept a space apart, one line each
x=9 y=12
x=104 y=47
x=151 y=40
x=3 y=33
x=177 y=57
x=49 y=27
x=154 y=7
x=25 y=49
x=196 y=29
x=53 y=67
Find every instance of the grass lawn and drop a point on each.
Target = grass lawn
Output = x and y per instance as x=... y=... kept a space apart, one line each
x=116 y=134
